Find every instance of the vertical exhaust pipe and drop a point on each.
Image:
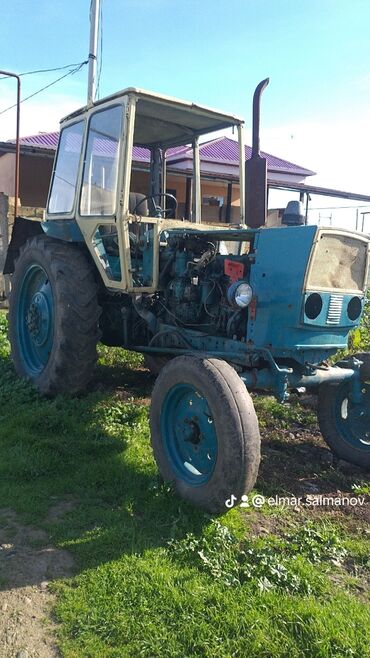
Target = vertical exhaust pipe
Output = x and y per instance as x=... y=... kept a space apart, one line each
x=256 y=169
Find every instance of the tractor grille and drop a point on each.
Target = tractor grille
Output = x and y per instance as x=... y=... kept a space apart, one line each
x=335 y=309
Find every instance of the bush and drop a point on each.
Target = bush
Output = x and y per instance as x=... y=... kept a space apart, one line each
x=360 y=338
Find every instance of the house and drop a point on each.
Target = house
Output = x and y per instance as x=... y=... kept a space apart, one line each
x=219 y=173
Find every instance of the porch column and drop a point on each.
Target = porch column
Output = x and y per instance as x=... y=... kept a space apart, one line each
x=188 y=195
x=196 y=182
x=228 y=202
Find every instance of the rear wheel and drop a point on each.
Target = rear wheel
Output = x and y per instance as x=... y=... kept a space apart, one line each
x=53 y=316
x=204 y=431
x=344 y=425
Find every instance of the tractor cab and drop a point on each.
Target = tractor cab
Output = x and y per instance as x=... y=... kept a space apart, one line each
x=120 y=214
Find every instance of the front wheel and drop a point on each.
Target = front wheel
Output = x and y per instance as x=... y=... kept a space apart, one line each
x=344 y=425
x=204 y=431
x=365 y=368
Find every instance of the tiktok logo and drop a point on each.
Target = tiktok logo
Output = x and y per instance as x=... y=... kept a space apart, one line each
x=230 y=502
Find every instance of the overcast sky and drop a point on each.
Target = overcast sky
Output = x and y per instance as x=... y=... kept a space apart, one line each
x=316 y=110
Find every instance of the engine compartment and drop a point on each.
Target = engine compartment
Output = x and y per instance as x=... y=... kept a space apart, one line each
x=197 y=275
x=202 y=286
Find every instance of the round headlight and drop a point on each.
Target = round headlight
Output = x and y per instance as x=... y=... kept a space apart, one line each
x=240 y=294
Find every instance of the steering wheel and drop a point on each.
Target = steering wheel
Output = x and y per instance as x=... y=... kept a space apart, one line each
x=158 y=210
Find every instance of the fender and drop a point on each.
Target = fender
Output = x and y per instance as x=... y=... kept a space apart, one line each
x=65 y=229
x=22 y=230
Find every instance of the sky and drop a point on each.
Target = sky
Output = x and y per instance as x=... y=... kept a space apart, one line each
x=316 y=109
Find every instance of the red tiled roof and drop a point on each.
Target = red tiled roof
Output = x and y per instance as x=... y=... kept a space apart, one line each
x=221 y=150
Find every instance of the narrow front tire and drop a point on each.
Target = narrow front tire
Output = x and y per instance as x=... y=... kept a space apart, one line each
x=204 y=431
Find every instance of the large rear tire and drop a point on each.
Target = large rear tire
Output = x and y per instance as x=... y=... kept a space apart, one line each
x=204 y=431
x=53 y=316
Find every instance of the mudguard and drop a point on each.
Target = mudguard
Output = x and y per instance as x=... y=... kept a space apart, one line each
x=65 y=229
x=22 y=230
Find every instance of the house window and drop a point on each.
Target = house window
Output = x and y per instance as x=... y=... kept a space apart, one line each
x=99 y=187
x=66 y=169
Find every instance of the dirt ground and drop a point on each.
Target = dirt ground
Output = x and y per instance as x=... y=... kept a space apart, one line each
x=28 y=562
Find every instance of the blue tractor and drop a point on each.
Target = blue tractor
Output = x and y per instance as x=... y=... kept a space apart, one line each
x=217 y=311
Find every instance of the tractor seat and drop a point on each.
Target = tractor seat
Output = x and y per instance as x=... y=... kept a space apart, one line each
x=136 y=200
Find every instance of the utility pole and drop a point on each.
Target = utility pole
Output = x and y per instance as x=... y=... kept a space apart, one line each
x=94 y=31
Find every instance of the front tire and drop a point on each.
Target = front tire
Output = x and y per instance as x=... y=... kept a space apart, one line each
x=365 y=368
x=204 y=431
x=53 y=316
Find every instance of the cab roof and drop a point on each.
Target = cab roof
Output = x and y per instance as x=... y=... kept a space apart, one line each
x=163 y=120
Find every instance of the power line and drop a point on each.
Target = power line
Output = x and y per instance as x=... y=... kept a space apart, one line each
x=71 y=72
x=58 y=68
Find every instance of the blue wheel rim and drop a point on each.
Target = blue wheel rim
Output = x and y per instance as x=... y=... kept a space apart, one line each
x=353 y=420
x=35 y=320
x=189 y=434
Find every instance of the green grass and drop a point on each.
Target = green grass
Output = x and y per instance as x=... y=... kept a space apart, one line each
x=155 y=577
x=360 y=337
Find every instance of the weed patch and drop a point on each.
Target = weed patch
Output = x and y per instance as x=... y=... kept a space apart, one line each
x=264 y=565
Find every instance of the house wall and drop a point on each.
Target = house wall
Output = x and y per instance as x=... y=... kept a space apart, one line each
x=35 y=174
x=34 y=178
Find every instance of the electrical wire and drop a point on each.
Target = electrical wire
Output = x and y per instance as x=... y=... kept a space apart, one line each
x=58 y=68
x=71 y=72
x=205 y=302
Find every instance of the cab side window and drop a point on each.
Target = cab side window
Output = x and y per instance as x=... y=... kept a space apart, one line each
x=66 y=169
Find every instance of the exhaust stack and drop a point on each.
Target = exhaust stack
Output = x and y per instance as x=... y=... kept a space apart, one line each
x=256 y=170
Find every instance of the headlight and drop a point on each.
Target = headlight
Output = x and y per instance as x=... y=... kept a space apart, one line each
x=239 y=294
